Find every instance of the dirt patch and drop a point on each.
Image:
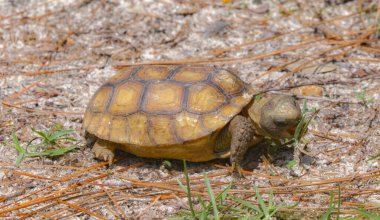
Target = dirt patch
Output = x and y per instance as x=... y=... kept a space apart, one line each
x=55 y=54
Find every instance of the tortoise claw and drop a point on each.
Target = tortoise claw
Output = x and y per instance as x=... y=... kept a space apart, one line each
x=237 y=171
x=103 y=153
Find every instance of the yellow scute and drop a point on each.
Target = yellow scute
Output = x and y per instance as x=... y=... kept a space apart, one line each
x=119 y=130
x=94 y=123
x=164 y=97
x=242 y=100
x=104 y=125
x=189 y=126
x=86 y=119
x=161 y=130
x=120 y=75
x=138 y=132
x=126 y=99
x=214 y=121
x=153 y=72
x=229 y=111
x=191 y=75
x=228 y=81
x=204 y=98
x=100 y=100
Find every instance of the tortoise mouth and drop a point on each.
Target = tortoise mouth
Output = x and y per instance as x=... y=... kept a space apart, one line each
x=280 y=116
x=291 y=130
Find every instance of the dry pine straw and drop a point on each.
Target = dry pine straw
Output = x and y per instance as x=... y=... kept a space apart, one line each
x=71 y=192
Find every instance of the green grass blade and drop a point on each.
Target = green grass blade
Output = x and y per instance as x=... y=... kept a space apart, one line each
x=17 y=144
x=203 y=204
x=44 y=135
x=270 y=201
x=327 y=214
x=304 y=122
x=21 y=151
x=188 y=192
x=374 y=157
x=307 y=122
x=203 y=215
x=19 y=158
x=246 y=204
x=368 y=215
x=262 y=203
x=181 y=186
x=304 y=107
x=53 y=152
x=59 y=134
x=223 y=195
x=212 y=197
x=339 y=203
x=273 y=211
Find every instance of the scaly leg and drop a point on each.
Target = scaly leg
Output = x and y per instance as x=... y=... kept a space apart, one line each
x=104 y=150
x=242 y=137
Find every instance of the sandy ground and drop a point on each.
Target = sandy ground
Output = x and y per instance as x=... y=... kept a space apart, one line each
x=55 y=54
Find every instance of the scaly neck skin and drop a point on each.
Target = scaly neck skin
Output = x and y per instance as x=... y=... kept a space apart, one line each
x=254 y=113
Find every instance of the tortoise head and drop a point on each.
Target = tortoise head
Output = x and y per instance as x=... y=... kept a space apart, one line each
x=275 y=116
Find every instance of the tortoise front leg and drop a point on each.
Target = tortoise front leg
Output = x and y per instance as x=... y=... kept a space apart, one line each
x=104 y=150
x=243 y=136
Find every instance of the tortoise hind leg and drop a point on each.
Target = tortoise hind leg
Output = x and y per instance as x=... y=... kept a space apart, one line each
x=104 y=150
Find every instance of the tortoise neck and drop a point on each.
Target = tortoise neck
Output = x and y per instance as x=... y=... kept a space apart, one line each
x=254 y=112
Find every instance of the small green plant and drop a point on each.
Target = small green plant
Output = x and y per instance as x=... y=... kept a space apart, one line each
x=227 y=206
x=307 y=115
x=362 y=97
x=52 y=143
x=208 y=208
x=363 y=214
x=328 y=213
x=374 y=157
x=258 y=97
x=291 y=164
x=332 y=207
x=187 y=190
x=167 y=164
x=263 y=211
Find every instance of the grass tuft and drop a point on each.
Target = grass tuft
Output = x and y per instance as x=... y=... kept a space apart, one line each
x=227 y=206
x=52 y=143
x=362 y=97
x=307 y=115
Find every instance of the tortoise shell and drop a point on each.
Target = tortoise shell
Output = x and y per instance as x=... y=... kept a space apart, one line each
x=165 y=105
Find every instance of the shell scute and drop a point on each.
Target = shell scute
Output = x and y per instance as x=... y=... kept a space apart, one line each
x=161 y=130
x=189 y=126
x=188 y=74
x=228 y=82
x=121 y=75
x=153 y=72
x=204 y=98
x=126 y=98
x=138 y=129
x=163 y=97
x=101 y=99
x=119 y=130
